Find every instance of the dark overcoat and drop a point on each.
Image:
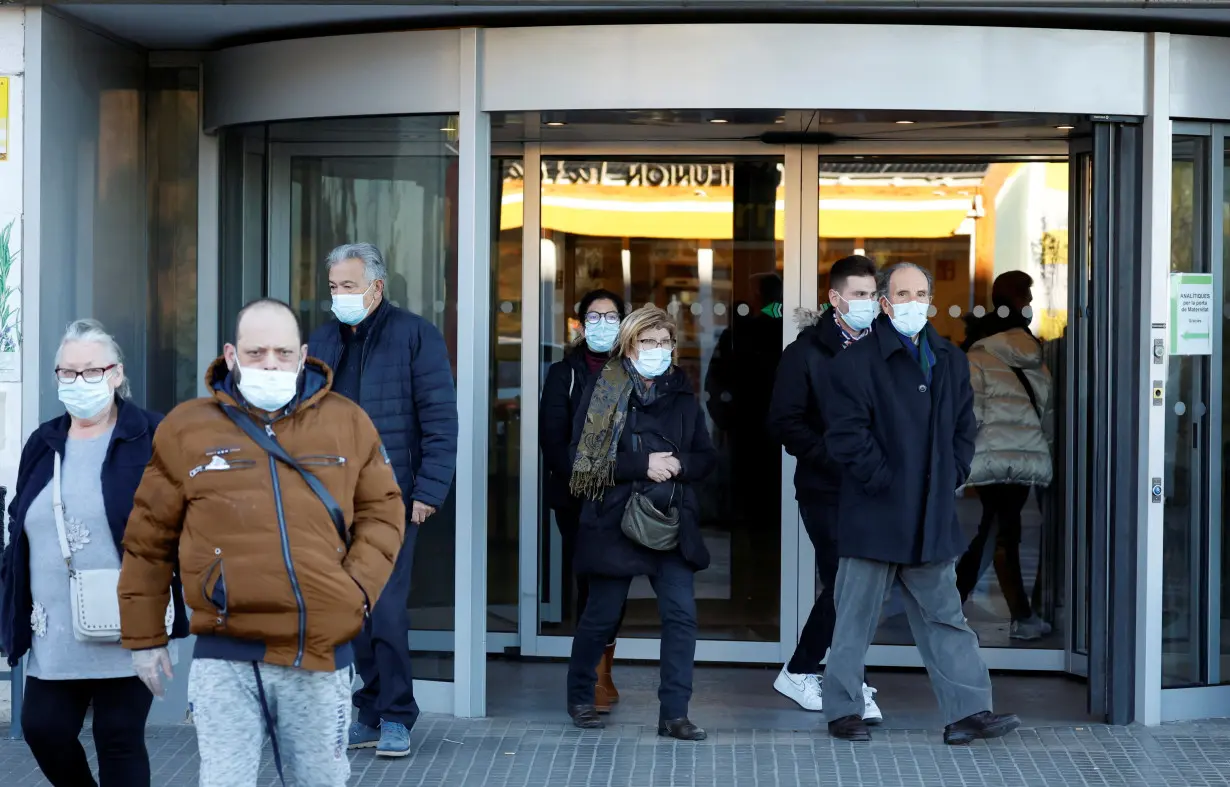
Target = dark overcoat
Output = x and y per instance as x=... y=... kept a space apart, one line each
x=905 y=445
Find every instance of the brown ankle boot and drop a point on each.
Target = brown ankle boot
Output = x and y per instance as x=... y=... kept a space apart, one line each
x=605 y=693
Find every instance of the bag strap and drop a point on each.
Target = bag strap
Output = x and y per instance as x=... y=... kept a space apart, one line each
x=57 y=505
x=1029 y=389
x=269 y=442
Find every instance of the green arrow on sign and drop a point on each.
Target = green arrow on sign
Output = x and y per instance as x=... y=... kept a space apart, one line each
x=773 y=310
x=1195 y=335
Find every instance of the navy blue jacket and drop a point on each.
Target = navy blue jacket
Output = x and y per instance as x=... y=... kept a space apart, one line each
x=673 y=421
x=905 y=447
x=407 y=390
x=132 y=445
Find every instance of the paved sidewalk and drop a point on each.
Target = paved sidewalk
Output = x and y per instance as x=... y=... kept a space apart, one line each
x=496 y=753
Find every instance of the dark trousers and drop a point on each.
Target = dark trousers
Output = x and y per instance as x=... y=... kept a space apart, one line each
x=1001 y=503
x=52 y=718
x=820 y=520
x=677 y=607
x=569 y=525
x=382 y=651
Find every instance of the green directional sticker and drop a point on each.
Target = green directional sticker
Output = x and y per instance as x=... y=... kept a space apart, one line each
x=1191 y=313
x=774 y=310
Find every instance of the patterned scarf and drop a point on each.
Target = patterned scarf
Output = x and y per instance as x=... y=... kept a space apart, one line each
x=593 y=471
x=926 y=356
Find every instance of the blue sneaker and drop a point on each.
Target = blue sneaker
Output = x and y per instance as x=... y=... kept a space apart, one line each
x=394 y=740
x=362 y=736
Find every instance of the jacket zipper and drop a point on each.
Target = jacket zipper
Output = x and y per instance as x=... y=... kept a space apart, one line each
x=290 y=566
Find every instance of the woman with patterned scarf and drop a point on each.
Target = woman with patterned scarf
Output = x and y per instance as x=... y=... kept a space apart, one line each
x=640 y=436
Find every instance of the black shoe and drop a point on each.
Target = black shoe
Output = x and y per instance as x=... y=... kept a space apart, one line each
x=586 y=717
x=985 y=725
x=681 y=729
x=849 y=728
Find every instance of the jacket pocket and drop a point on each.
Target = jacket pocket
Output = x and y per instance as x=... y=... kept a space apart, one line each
x=321 y=460
x=213 y=589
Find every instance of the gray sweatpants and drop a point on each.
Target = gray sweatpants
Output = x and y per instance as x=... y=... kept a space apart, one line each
x=311 y=715
x=948 y=646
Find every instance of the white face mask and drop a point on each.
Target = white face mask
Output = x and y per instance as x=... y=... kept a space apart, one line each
x=268 y=390
x=85 y=400
x=349 y=308
x=652 y=363
x=861 y=314
x=911 y=317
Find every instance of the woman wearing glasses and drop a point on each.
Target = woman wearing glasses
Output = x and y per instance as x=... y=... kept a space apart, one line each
x=600 y=311
x=87 y=463
x=640 y=444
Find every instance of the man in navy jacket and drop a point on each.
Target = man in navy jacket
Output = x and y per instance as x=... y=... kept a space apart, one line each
x=901 y=425
x=395 y=365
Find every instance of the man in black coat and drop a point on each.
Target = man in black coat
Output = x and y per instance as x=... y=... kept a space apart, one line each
x=797 y=421
x=901 y=425
x=395 y=365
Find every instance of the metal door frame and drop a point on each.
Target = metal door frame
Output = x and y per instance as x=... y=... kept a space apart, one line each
x=532 y=643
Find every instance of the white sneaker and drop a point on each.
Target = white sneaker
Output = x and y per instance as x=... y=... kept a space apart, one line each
x=871 y=711
x=1031 y=628
x=803 y=689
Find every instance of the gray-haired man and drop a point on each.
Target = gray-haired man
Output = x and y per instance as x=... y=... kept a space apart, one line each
x=901 y=425
x=396 y=366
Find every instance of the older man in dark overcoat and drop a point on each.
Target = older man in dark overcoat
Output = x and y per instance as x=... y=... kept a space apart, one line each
x=901 y=424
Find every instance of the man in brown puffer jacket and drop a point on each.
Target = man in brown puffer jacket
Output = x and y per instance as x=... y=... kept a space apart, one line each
x=277 y=585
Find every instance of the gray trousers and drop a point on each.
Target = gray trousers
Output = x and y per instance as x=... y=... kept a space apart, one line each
x=311 y=712
x=948 y=646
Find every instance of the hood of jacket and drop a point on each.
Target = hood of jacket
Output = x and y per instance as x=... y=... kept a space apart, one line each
x=805 y=318
x=1015 y=347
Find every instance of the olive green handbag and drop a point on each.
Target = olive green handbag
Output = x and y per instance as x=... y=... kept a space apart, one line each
x=644 y=524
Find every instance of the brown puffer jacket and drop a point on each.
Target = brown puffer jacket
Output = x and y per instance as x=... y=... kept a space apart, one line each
x=265 y=573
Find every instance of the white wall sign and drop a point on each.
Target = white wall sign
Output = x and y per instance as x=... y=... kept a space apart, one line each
x=1191 y=313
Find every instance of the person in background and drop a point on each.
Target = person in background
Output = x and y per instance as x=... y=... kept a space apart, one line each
x=102 y=444
x=640 y=431
x=277 y=498
x=901 y=426
x=600 y=311
x=797 y=420
x=1012 y=453
x=395 y=365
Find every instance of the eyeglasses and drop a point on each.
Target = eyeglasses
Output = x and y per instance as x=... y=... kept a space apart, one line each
x=656 y=344
x=69 y=376
x=610 y=318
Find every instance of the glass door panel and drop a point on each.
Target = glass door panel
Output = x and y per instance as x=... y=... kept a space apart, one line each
x=704 y=239
x=402 y=197
x=1185 y=519
x=968 y=223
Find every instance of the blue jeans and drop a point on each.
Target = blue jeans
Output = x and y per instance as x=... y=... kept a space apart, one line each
x=673 y=585
x=382 y=650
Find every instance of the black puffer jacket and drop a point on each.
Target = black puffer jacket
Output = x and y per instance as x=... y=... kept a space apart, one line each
x=800 y=395
x=672 y=421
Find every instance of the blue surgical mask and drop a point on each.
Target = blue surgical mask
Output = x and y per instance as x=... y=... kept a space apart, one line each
x=601 y=337
x=861 y=314
x=349 y=308
x=652 y=363
x=910 y=318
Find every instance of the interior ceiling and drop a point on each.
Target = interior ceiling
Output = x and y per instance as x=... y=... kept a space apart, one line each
x=195 y=25
x=839 y=133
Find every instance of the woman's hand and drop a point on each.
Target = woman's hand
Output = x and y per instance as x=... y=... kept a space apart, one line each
x=663 y=467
